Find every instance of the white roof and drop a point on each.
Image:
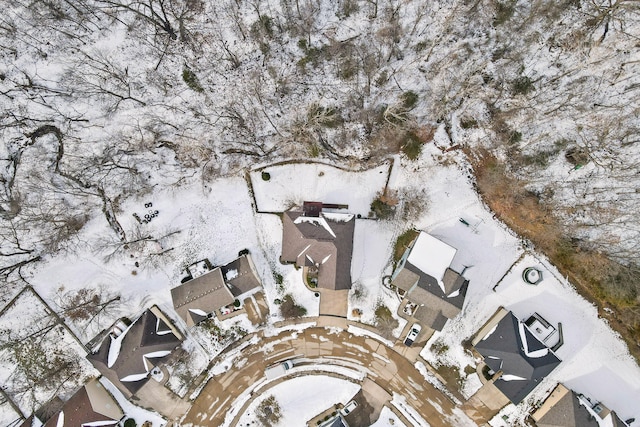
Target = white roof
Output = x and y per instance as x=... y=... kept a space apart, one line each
x=431 y=255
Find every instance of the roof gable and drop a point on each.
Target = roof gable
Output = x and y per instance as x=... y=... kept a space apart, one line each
x=325 y=241
x=431 y=256
x=522 y=358
x=127 y=359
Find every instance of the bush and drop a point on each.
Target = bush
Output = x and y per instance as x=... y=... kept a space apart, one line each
x=403 y=242
x=236 y=303
x=278 y=278
x=384 y=206
x=269 y=412
x=522 y=85
x=411 y=146
x=409 y=100
x=289 y=309
x=191 y=79
x=385 y=321
x=266 y=176
x=130 y=422
x=504 y=11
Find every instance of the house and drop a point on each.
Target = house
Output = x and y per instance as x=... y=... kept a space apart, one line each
x=514 y=356
x=127 y=357
x=427 y=282
x=211 y=289
x=565 y=408
x=321 y=242
x=92 y=405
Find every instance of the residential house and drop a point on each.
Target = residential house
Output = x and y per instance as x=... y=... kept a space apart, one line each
x=514 y=354
x=320 y=242
x=424 y=277
x=209 y=289
x=565 y=408
x=92 y=405
x=127 y=357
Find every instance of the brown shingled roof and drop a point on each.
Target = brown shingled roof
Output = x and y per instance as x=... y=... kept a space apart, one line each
x=327 y=245
x=204 y=294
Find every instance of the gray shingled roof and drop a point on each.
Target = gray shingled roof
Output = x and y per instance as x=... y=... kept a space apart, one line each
x=308 y=243
x=503 y=349
x=148 y=334
x=568 y=412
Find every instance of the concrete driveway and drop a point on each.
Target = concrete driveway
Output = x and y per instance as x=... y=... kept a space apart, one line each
x=390 y=371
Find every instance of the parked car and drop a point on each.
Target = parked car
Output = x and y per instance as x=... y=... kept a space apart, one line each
x=280 y=369
x=413 y=334
x=349 y=408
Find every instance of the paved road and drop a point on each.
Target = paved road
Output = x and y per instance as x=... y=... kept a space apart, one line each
x=389 y=369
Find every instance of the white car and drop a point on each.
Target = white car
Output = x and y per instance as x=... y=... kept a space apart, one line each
x=349 y=408
x=413 y=334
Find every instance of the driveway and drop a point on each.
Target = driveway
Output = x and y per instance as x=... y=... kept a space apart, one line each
x=390 y=371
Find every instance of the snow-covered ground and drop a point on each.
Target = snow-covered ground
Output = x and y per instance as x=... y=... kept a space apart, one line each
x=216 y=220
x=300 y=399
x=291 y=184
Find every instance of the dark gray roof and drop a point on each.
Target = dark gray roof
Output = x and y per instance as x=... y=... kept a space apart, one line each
x=568 y=412
x=338 y=422
x=307 y=242
x=240 y=275
x=503 y=348
x=148 y=334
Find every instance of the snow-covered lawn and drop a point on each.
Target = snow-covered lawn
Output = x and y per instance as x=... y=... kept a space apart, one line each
x=388 y=419
x=291 y=184
x=302 y=398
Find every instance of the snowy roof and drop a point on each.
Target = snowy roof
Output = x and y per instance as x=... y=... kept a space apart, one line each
x=431 y=256
x=511 y=348
x=437 y=302
x=143 y=345
x=241 y=275
x=91 y=405
x=325 y=241
x=204 y=294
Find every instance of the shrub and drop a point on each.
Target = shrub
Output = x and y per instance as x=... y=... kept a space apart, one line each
x=191 y=79
x=130 y=422
x=385 y=321
x=278 y=278
x=269 y=412
x=515 y=137
x=522 y=85
x=266 y=176
x=289 y=309
x=403 y=242
x=412 y=145
x=409 y=100
x=504 y=11
x=236 y=303
x=384 y=205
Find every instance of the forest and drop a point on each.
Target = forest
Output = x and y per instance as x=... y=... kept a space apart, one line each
x=104 y=99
